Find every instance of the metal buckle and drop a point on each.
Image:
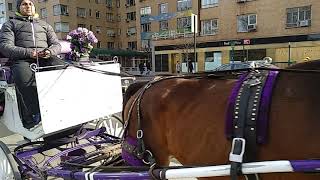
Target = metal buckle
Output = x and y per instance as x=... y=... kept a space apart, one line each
x=145 y=159
x=139 y=134
x=235 y=157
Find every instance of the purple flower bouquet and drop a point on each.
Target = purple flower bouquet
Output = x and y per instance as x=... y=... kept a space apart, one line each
x=81 y=40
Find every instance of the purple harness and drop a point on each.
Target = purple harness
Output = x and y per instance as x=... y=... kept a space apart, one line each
x=263 y=115
x=129 y=147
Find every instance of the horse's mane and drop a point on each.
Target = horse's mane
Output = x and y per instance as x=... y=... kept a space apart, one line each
x=131 y=90
x=308 y=65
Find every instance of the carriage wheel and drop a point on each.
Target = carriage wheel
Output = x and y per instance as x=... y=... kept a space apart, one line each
x=8 y=166
x=113 y=125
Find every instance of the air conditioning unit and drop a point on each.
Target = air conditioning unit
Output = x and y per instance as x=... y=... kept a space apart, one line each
x=241 y=1
x=66 y=13
x=304 y=23
x=252 y=27
x=126 y=5
x=127 y=20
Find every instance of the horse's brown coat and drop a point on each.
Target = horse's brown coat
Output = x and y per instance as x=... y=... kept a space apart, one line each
x=185 y=118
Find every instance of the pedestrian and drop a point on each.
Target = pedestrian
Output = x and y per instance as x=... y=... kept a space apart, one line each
x=27 y=40
x=190 y=66
x=148 y=65
x=178 y=67
x=141 y=68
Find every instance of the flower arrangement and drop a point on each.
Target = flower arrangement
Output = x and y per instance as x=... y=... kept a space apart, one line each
x=81 y=40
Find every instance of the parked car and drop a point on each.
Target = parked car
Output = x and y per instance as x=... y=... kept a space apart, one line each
x=245 y=65
x=126 y=81
x=233 y=66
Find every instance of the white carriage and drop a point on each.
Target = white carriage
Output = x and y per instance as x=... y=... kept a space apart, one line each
x=67 y=97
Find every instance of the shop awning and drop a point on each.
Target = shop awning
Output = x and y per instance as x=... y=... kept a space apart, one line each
x=117 y=52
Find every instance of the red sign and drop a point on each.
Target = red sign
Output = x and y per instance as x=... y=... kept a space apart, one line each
x=246 y=41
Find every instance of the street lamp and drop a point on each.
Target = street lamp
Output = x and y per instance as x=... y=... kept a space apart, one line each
x=194 y=29
x=289 y=56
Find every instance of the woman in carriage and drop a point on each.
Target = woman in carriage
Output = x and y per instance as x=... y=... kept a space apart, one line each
x=27 y=40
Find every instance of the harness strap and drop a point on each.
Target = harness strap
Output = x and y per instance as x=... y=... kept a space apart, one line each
x=244 y=145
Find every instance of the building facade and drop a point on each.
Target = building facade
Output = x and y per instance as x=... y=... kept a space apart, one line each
x=225 y=30
x=7 y=9
x=237 y=30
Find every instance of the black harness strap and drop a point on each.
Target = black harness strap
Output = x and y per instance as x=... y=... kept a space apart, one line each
x=244 y=145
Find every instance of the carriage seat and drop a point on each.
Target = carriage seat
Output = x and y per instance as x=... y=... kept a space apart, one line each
x=5 y=72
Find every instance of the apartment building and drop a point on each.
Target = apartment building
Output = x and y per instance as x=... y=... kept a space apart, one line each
x=7 y=9
x=231 y=30
x=226 y=30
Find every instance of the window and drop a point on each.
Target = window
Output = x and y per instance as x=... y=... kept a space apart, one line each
x=299 y=16
x=184 y=23
x=146 y=27
x=163 y=8
x=98 y=29
x=90 y=27
x=247 y=23
x=132 y=45
x=209 y=3
x=145 y=44
x=97 y=14
x=61 y=27
x=248 y=55
x=109 y=3
x=130 y=3
x=144 y=11
x=98 y=44
x=131 y=16
x=131 y=31
x=162 y=63
x=90 y=12
x=81 y=12
x=2 y=8
x=10 y=7
x=110 y=45
x=111 y=33
x=109 y=17
x=183 y=5
x=209 y=27
x=43 y=13
x=163 y=25
x=82 y=25
x=60 y=10
x=118 y=3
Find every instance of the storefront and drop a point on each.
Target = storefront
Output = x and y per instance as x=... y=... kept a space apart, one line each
x=283 y=50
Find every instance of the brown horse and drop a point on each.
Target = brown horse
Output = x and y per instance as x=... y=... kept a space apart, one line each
x=185 y=118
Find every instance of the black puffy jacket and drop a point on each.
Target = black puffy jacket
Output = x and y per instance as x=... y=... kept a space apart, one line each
x=21 y=35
